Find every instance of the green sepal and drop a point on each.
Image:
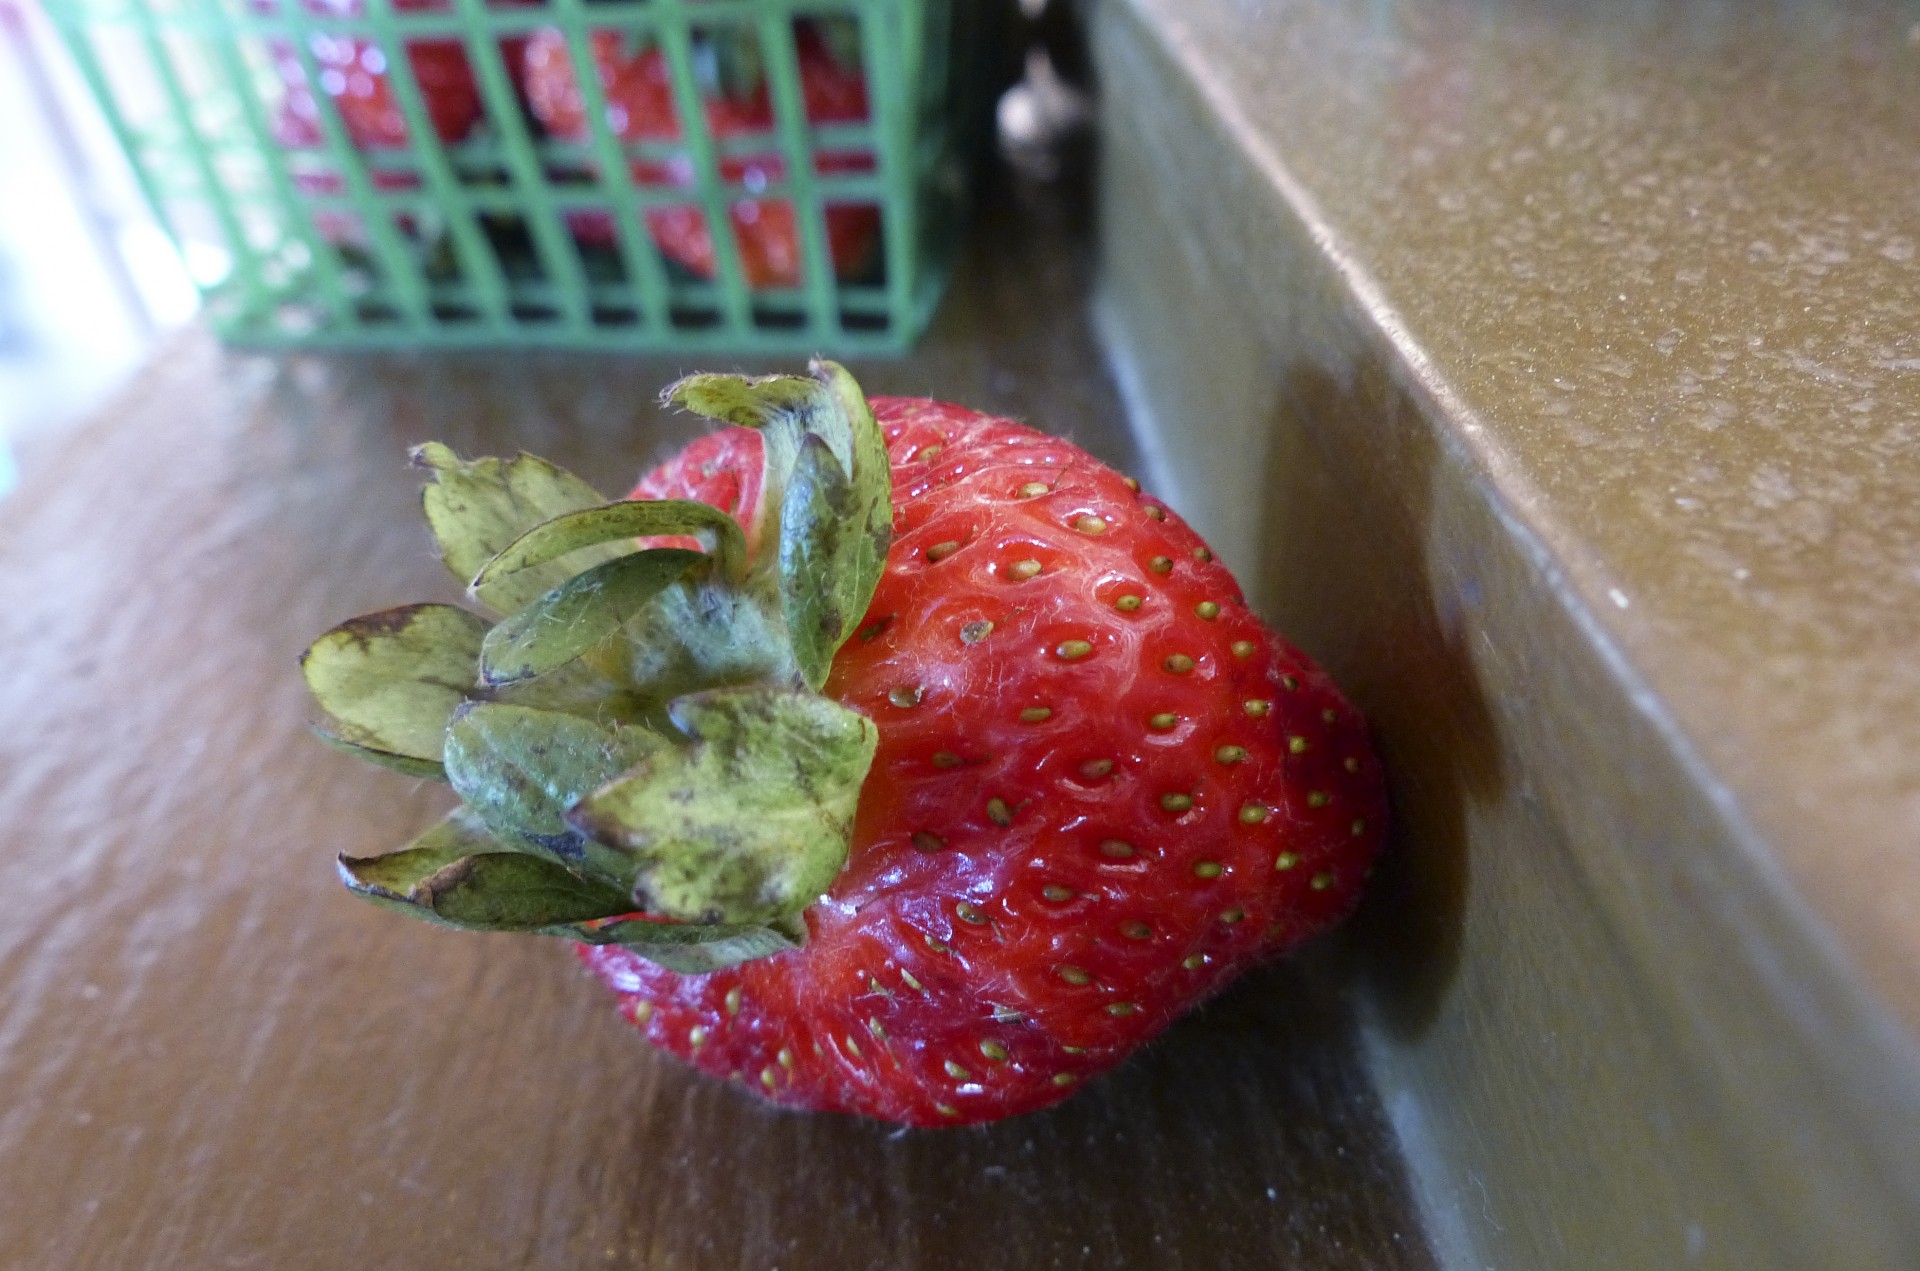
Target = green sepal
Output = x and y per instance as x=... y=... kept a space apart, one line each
x=389 y=681
x=865 y=550
x=520 y=769
x=578 y=688
x=840 y=32
x=746 y=402
x=686 y=948
x=429 y=769
x=636 y=734
x=729 y=63
x=748 y=823
x=814 y=521
x=700 y=633
x=458 y=874
x=615 y=523
x=478 y=508
x=579 y=614
x=835 y=519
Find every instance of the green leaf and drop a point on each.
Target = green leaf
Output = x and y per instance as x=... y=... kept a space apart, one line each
x=701 y=633
x=578 y=615
x=478 y=508
x=458 y=874
x=833 y=541
x=743 y=401
x=578 y=688
x=520 y=769
x=814 y=523
x=872 y=509
x=390 y=680
x=748 y=824
x=689 y=949
x=613 y=523
x=431 y=769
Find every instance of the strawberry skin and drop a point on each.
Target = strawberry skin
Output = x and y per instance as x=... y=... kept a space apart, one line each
x=639 y=94
x=1103 y=789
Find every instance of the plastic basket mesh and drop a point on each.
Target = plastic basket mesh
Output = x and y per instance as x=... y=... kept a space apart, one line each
x=772 y=175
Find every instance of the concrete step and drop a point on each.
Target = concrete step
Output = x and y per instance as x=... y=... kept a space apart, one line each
x=1554 y=371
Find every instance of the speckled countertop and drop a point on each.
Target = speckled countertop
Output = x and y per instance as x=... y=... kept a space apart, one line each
x=1663 y=261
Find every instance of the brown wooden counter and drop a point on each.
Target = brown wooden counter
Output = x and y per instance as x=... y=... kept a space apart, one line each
x=212 y=1057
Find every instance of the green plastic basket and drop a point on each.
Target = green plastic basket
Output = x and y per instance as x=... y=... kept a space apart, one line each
x=465 y=214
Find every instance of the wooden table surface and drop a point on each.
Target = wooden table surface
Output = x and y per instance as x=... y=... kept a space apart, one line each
x=213 y=1057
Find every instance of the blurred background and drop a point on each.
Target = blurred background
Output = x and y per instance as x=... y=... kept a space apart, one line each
x=90 y=281
x=87 y=280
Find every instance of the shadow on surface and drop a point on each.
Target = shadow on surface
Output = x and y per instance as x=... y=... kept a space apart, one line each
x=1245 y=1138
x=1349 y=507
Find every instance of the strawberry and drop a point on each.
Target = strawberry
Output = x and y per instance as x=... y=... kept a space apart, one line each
x=353 y=72
x=931 y=776
x=639 y=94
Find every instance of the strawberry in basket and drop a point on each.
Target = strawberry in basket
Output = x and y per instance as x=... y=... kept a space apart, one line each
x=638 y=86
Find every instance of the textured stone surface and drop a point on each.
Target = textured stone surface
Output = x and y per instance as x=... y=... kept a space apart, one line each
x=1554 y=369
x=1665 y=260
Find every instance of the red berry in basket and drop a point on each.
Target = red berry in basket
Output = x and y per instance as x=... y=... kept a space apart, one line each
x=353 y=73
x=1099 y=787
x=640 y=107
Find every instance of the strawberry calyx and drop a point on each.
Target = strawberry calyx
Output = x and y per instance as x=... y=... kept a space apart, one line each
x=639 y=743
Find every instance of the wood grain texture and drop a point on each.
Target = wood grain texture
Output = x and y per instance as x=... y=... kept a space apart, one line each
x=213 y=1057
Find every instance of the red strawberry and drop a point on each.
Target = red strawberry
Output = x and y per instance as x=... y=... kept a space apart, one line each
x=353 y=72
x=639 y=93
x=1100 y=788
